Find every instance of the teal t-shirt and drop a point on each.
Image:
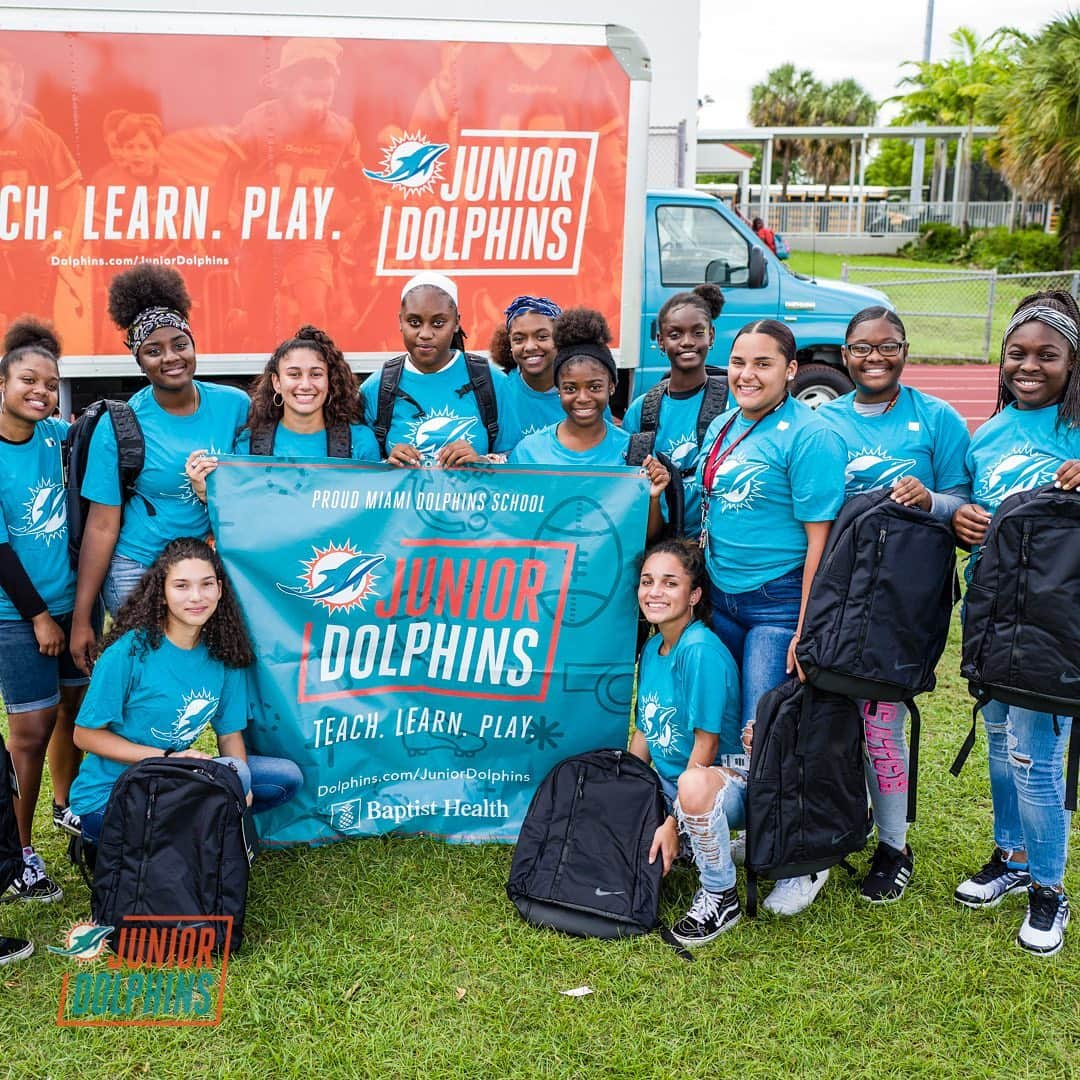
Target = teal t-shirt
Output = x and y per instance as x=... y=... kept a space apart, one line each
x=533 y=410
x=313 y=445
x=676 y=436
x=694 y=688
x=544 y=448
x=162 y=697
x=787 y=471
x=1017 y=450
x=920 y=436
x=162 y=483
x=33 y=516
x=440 y=414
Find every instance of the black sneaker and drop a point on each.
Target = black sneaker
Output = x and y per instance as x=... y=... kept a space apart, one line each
x=988 y=887
x=63 y=818
x=33 y=884
x=709 y=916
x=888 y=876
x=14 y=949
x=1043 y=929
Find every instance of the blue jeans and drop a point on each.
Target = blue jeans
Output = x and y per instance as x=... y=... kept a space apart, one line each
x=757 y=626
x=271 y=781
x=124 y=574
x=710 y=834
x=28 y=680
x=1027 y=787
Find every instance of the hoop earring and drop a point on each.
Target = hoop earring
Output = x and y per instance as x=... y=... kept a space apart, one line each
x=692 y=606
x=2 y=409
x=329 y=398
x=278 y=401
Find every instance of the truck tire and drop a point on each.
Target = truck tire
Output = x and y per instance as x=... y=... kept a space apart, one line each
x=817 y=383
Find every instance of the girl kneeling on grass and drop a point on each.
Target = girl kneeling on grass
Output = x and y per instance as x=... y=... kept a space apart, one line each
x=174 y=663
x=1032 y=439
x=688 y=727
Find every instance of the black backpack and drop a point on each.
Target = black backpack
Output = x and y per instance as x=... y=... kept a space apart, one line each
x=481 y=385
x=338 y=441
x=176 y=839
x=130 y=456
x=713 y=402
x=1021 y=635
x=806 y=806
x=11 y=857
x=581 y=864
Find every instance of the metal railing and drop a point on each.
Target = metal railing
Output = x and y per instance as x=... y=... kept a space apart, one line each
x=956 y=314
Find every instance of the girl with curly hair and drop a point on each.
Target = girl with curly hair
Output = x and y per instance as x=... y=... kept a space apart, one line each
x=40 y=686
x=302 y=405
x=585 y=375
x=174 y=663
x=176 y=414
x=1033 y=439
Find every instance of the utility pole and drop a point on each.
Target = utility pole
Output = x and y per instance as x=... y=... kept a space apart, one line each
x=918 y=158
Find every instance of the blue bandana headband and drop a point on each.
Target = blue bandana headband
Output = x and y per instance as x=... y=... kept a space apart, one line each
x=541 y=305
x=1053 y=318
x=146 y=322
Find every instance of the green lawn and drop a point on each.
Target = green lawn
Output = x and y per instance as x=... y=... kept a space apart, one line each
x=357 y=956
x=945 y=314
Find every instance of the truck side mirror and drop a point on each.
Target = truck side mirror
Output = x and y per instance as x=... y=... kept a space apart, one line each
x=758 y=273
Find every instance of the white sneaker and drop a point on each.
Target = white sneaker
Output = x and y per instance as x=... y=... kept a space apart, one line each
x=1043 y=929
x=791 y=895
x=738 y=848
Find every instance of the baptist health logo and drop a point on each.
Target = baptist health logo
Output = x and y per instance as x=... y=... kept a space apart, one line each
x=338 y=577
x=44 y=513
x=411 y=164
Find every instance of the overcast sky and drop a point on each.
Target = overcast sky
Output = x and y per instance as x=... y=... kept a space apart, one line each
x=836 y=39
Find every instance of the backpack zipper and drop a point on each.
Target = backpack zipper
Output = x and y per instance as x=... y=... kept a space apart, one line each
x=879 y=554
x=1021 y=596
x=148 y=828
x=579 y=796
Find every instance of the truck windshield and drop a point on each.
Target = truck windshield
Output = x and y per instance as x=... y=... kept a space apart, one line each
x=694 y=239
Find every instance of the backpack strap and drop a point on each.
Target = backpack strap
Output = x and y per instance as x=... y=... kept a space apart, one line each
x=483 y=388
x=913 y=757
x=130 y=448
x=969 y=740
x=639 y=447
x=1072 y=765
x=650 y=408
x=751 y=893
x=262 y=441
x=669 y=938
x=389 y=381
x=675 y=497
x=713 y=403
x=339 y=441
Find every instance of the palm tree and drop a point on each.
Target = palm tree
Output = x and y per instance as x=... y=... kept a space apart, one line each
x=1040 y=125
x=783 y=100
x=843 y=103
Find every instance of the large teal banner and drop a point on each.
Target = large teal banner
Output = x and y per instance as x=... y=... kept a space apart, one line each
x=430 y=642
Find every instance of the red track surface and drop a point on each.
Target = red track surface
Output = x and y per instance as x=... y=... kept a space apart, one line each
x=970 y=388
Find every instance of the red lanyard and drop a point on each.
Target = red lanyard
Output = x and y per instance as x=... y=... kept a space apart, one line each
x=717 y=457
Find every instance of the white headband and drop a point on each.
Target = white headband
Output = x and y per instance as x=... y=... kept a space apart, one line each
x=436 y=281
x=1049 y=316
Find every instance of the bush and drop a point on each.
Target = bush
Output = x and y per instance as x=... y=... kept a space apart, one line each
x=937 y=241
x=1026 y=250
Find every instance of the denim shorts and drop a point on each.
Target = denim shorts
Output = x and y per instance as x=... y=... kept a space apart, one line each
x=120 y=582
x=29 y=680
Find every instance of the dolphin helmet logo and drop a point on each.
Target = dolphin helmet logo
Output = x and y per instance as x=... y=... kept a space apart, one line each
x=736 y=484
x=85 y=941
x=410 y=164
x=1020 y=470
x=45 y=514
x=869 y=470
x=198 y=709
x=337 y=577
x=430 y=434
x=655 y=722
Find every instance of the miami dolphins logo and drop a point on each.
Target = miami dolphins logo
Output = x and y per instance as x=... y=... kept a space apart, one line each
x=1020 y=470
x=736 y=484
x=185 y=493
x=682 y=451
x=439 y=428
x=411 y=164
x=868 y=470
x=654 y=720
x=198 y=709
x=85 y=941
x=45 y=513
x=338 y=577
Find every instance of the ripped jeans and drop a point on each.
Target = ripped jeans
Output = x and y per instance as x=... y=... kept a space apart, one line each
x=710 y=833
x=1027 y=787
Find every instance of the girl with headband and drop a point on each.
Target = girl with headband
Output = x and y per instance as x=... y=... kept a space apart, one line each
x=40 y=687
x=436 y=416
x=1033 y=439
x=176 y=415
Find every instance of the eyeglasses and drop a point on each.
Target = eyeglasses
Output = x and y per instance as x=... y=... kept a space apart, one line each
x=861 y=350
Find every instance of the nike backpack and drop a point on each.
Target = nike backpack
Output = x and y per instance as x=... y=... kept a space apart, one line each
x=176 y=840
x=581 y=864
x=11 y=857
x=130 y=456
x=1021 y=628
x=877 y=618
x=806 y=807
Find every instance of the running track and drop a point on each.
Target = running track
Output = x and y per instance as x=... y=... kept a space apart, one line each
x=970 y=388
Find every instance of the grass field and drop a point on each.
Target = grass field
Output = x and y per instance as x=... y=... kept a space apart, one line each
x=403 y=958
x=945 y=313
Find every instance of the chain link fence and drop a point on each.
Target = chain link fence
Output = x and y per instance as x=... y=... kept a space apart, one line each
x=956 y=314
x=667 y=155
